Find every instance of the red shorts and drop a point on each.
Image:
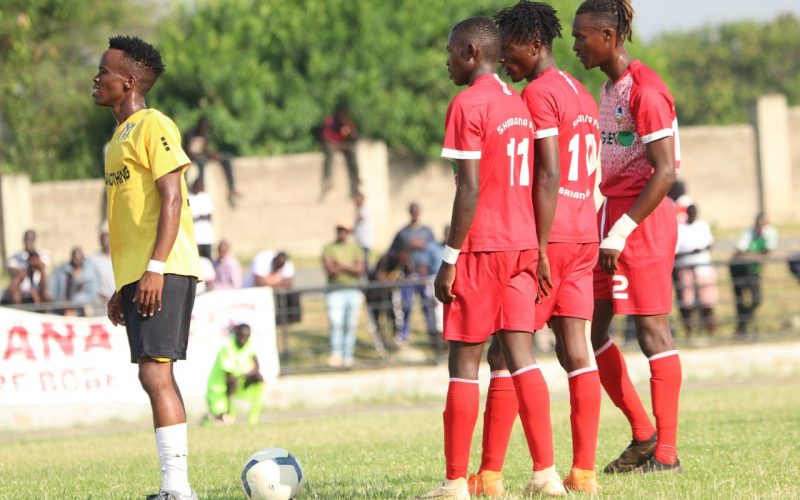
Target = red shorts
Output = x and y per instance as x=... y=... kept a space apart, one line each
x=642 y=284
x=494 y=291
x=571 y=270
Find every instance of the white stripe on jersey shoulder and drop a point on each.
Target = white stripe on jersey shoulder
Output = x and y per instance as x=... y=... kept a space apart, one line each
x=548 y=132
x=564 y=75
x=455 y=154
x=506 y=90
x=659 y=134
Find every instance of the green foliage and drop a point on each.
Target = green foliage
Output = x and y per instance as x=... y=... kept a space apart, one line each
x=49 y=50
x=267 y=73
x=715 y=72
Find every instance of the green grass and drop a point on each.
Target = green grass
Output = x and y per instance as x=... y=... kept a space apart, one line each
x=735 y=441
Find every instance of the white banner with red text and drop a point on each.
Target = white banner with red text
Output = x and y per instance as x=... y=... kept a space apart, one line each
x=49 y=359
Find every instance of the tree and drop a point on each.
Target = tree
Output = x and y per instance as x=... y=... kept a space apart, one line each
x=49 y=49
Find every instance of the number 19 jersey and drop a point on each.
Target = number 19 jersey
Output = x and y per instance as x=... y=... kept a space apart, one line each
x=561 y=106
x=488 y=121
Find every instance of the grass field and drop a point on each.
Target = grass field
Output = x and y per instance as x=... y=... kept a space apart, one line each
x=735 y=441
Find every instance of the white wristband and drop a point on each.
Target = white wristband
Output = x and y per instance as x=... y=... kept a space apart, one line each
x=618 y=233
x=450 y=254
x=156 y=266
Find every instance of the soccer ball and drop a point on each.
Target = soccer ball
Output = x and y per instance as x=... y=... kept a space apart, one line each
x=272 y=474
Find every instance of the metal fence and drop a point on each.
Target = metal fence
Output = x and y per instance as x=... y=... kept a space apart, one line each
x=733 y=306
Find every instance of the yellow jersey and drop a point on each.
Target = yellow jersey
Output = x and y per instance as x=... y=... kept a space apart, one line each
x=145 y=147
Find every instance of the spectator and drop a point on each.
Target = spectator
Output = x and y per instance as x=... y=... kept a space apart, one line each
x=362 y=229
x=27 y=273
x=417 y=238
x=696 y=277
x=745 y=269
x=344 y=264
x=273 y=269
x=199 y=151
x=228 y=269
x=202 y=208
x=75 y=282
x=235 y=374
x=101 y=263
x=386 y=301
x=29 y=283
x=677 y=193
x=339 y=133
x=208 y=276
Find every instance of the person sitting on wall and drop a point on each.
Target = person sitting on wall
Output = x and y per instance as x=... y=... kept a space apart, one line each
x=235 y=374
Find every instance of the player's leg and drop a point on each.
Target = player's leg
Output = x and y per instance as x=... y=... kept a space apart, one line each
x=534 y=411
x=614 y=377
x=252 y=391
x=584 y=399
x=498 y=421
x=655 y=340
x=459 y=417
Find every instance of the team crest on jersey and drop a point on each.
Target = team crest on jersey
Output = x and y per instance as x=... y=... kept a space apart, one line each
x=127 y=131
x=619 y=114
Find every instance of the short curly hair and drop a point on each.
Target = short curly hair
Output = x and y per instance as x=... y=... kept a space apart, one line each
x=145 y=58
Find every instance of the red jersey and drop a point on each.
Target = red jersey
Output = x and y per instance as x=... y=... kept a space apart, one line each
x=635 y=110
x=561 y=106
x=488 y=121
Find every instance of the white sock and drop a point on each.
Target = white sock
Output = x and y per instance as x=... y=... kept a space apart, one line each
x=171 y=443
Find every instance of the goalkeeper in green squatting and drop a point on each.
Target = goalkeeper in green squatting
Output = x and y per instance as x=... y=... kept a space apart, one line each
x=235 y=375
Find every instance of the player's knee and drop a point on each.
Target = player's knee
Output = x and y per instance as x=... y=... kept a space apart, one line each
x=494 y=356
x=154 y=381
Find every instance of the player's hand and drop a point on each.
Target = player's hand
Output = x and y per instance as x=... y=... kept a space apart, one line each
x=115 y=310
x=148 y=293
x=608 y=260
x=543 y=277
x=443 y=284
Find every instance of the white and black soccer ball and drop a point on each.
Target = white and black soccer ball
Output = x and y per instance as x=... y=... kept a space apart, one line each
x=272 y=474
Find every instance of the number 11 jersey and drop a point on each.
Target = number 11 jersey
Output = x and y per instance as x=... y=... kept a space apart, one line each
x=488 y=121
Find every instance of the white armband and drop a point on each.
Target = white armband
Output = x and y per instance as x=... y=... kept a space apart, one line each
x=618 y=233
x=450 y=254
x=156 y=266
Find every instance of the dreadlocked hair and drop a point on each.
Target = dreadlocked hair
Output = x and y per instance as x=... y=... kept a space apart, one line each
x=529 y=21
x=482 y=32
x=140 y=52
x=618 y=13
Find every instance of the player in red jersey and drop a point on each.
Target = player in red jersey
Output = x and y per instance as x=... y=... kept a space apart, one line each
x=639 y=156
x=567 y=137
x=487 y=280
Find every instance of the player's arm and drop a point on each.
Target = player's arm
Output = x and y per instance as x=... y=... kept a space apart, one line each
x=464 y=206
x=254 y=375
x=148 y=294
x=546 y=177
x=661 y=155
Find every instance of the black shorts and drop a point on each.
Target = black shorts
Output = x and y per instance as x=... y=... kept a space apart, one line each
x=166 y=333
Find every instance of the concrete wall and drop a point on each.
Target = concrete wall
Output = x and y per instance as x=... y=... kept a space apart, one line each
x=281 y=205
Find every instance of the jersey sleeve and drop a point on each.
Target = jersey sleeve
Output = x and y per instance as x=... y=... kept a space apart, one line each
x=163 y=145
x=652 y=111
x=463 y=130
x=543 y=106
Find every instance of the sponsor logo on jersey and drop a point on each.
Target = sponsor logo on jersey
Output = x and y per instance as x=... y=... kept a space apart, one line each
x=165 y=143
x=118 y=177
x=126 y=131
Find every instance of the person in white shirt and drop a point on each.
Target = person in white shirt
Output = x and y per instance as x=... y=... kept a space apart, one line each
x=101 y=263
x=269 y=268
x=202 y=208
x=362 y=228
x=696 y=278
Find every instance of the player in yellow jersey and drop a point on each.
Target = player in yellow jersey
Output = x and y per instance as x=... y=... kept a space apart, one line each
x=153 y=251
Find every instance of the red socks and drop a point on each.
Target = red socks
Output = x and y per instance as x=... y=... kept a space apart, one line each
x=584 y=400
x=665 y=389
x=534 y=411
x=614 y=377
x=498 y=420
x=460 y=416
